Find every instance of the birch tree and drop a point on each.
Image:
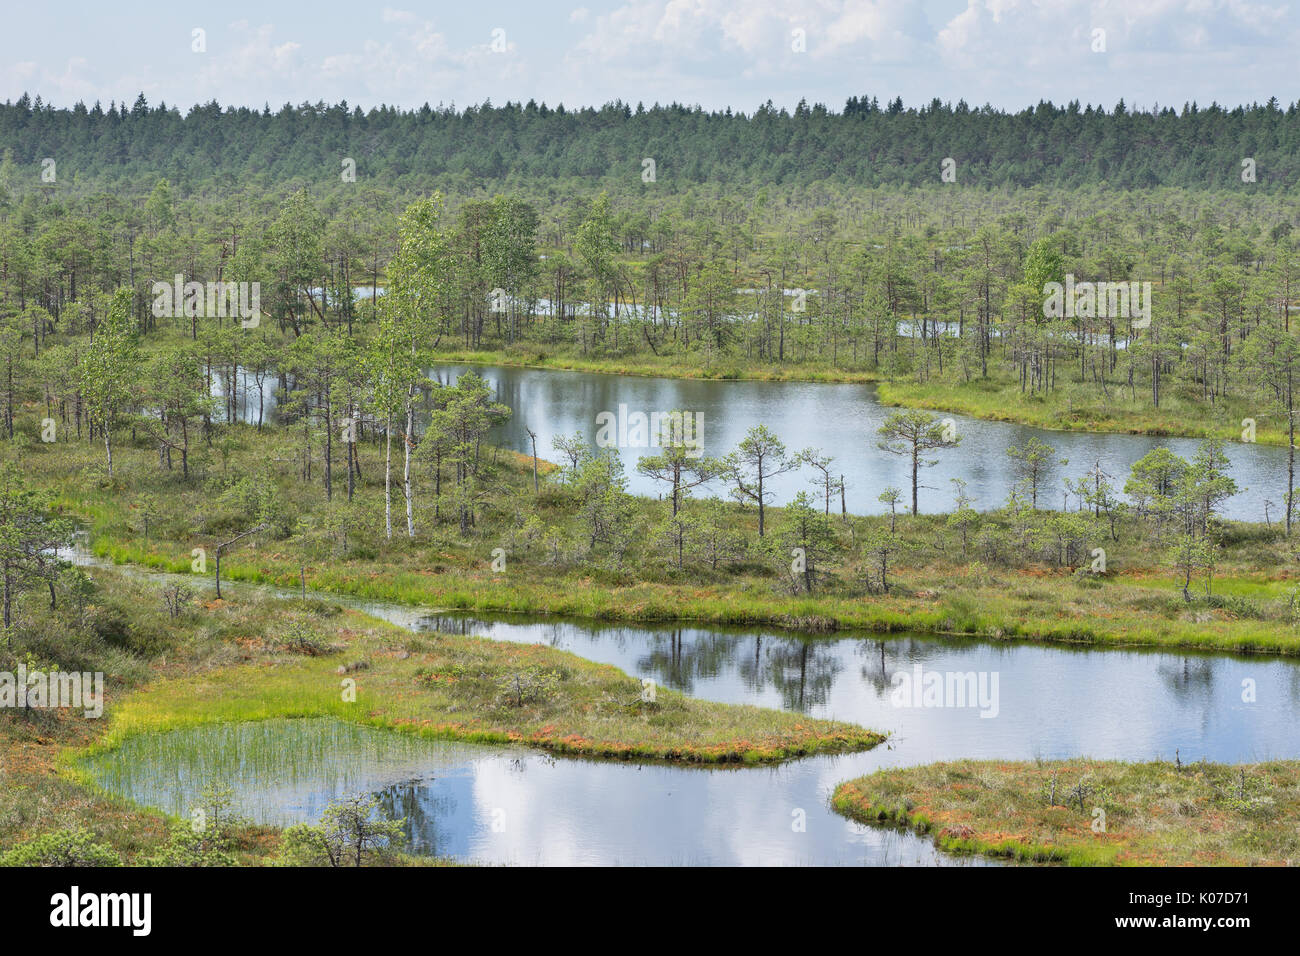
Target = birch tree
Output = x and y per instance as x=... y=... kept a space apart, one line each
x=108 y=369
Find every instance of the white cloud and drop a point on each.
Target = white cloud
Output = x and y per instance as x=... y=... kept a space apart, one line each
x=715 y=52
x=988 y=29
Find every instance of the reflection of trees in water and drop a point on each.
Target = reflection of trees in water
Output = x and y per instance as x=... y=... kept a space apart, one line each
x=1189 y=676
x=1293 y=679
x=1191 y=680
x=880 y=662
x=676 y=664
x=602 y=635
x=561 y=634
x=422 y=807
x=803 y=672
x=878 y=667
x=442 y=624
x=876 y=670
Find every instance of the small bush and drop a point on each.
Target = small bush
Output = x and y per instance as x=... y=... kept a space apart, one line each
x=351 y=833
x=138 y=633
x=205 y=838
x=62 y=848
x=301 y=639
x=528 y=686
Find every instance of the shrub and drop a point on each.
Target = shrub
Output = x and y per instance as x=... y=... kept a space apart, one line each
x=61 y=848
x=301 y=639
x=351 y=833
x=137 y=633
x=528 y=686
x=204 y=839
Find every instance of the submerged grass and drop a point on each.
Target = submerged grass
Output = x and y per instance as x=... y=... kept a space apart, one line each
x=275 y=769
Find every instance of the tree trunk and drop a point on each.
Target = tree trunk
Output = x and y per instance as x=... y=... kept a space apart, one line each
x=388 y=476
x=406 y=471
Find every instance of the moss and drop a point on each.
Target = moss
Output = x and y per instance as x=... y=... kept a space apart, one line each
x=1091 y=813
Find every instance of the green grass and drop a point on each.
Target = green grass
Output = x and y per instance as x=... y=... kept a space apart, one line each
x=935 y=588
x=1071 y=407
x=270 y=767
x=1058 y=608
x=242 y=659
x=455 y=687
x=1151 y=814
x=687 y=366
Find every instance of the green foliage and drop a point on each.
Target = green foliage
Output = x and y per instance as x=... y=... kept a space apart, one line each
x=206 y=837
x=865 y=142
x=351 y=833
x=910 y=434
x=805 y=544
x=76 y=847
x=529 y=686
x=29 y=537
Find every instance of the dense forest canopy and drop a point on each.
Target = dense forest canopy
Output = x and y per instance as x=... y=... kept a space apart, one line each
x=866 y=144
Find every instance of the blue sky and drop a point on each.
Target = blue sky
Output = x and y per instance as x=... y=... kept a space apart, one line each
x=717 y=53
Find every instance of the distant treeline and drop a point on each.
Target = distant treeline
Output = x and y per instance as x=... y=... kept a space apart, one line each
x=867 y=143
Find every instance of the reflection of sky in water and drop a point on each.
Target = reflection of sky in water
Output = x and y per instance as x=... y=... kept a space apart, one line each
x=1053 y=701
x=517 y=806
x=841 y=420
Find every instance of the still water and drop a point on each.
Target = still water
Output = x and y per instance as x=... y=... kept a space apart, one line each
x=509 y=805
x=840 y=420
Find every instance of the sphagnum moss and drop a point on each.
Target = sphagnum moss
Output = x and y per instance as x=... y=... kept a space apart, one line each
x=1090 y=812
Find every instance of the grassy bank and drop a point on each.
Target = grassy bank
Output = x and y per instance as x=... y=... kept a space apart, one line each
x=1064 y=608
x=252 y=658
x=470 y=689
x=1072 y=408
x=119 y=626
x=688 y=366
x=1092 y=813
x=942 y=580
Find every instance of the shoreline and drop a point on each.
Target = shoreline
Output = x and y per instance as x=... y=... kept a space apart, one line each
x=663 y=604
x=889 y=394
x=1084 y=812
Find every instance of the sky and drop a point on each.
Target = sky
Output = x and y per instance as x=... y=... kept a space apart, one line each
x=714 y=53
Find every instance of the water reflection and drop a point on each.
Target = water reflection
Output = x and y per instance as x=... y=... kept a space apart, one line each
x=510 y=805
x=1055 y=700
x=840 y=419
